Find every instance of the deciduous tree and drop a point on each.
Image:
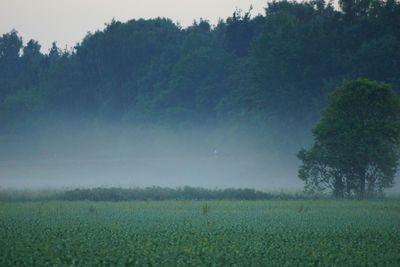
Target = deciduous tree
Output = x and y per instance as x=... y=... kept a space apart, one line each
x=356 y=147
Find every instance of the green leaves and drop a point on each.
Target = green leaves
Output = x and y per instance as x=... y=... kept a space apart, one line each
x=176 y=233
x=356 y=142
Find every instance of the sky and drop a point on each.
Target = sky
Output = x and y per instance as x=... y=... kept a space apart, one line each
x=68 y=21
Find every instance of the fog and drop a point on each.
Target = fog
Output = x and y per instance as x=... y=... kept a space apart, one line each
x=71 y=155
x=106 y=156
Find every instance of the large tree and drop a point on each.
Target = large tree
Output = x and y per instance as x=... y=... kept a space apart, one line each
x=10 y=47
x=357 y=140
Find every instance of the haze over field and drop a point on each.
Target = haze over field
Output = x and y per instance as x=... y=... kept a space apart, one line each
x=199 y=133
x=111 y=158
x=143 y=100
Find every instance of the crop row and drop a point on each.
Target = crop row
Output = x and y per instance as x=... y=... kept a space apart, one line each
x=216 y=233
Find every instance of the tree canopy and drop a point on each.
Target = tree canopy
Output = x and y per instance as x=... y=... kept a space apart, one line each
x=357 y=141
x=269 y=73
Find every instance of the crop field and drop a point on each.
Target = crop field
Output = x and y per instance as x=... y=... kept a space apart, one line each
x=199 y=233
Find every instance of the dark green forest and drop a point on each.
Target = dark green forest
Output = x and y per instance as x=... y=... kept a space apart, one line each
x=267 y=74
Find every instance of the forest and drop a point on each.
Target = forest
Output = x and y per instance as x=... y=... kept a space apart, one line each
x=267 y=74
x=151 y=144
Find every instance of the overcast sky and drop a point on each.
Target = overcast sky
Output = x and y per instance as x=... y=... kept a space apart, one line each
x=67 y=21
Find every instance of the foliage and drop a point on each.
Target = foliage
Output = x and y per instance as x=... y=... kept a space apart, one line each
x=21 y=108
x=149 y=194
x=273 y=70
x=264 y=77
x=205 y=209
x=290 y=61
x=356 y=147
x=175 y=233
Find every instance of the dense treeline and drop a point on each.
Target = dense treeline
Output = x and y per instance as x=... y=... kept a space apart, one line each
x=271 y=73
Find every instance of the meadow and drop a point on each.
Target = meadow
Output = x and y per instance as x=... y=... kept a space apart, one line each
x=201 y=233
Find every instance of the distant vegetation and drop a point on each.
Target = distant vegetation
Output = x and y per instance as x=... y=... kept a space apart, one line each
x=148 y=194
x=267 y=75
x=160 y=193
x=271 y=71
x=156 y=193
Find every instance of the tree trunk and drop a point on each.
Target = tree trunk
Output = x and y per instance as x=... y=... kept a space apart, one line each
x=348 y=187
x=361 y=185
x=338 y=187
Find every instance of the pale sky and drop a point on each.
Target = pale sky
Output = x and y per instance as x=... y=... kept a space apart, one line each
x=68 y=21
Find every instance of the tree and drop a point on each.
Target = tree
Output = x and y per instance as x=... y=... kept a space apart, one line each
x=54 y=52
x=240 y=31
x=31 y=64
x=289 y=63
x=10 y=47
x=19 y=110
x=357 y=141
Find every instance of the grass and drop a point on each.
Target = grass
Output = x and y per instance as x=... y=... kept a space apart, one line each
x=148 y=194
x=206 y=208
x=177 y=233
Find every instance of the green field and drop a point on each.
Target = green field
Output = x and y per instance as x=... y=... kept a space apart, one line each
x=214 y=233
